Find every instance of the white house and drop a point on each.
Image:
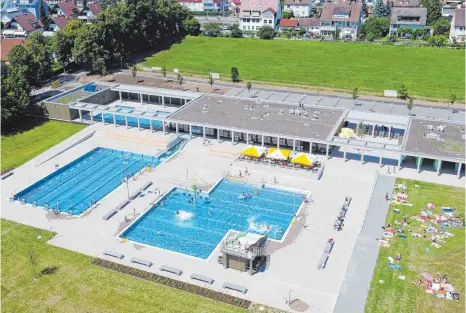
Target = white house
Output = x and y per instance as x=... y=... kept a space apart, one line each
x=192 y=5
x=342 y=19
x=457 y=29
x=89 y=12
x=300 y=8
x=257 y=13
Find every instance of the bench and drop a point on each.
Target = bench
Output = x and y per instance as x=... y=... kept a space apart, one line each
x=323 y=261
x=145 y=186
x=347 y=201
x=142 y=262
x=7 y=175
x=202 y=278
x=114 y=254
x=172 y=270
x=109 y=214
x=122 y=205
x=329 y=247
x=235 y=287
x=135 y=194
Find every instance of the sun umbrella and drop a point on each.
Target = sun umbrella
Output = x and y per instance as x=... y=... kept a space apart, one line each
x=278 y=154
x=346 y=133
x=253 y=151
x=303 y=159
x=426 y=276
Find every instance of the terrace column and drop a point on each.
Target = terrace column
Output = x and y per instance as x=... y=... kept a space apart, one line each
x=92 y=117
x=114 y=120
x=139 y=124
x=458 y=173
x=399 y=162
x=121 y=98
x=294 y=145
x=362 y=156
x=126 y=121
x=103 y=120
x=203 y=132
x=389 y=132
x=373 y=129
x=218 y=135
x=278 y=142
x=344 y=154
x=163 y=101
x=169 y=100
x=247 y=139
x=80 y=115
x=163 y=127
x=150 y=126
x=190 y=131
x=380 y=158
x=262 y=140
x=439 y=166
x=326 y=152
x=232 y=137
x=250 y=267
x=176 y=127
x=419 y=161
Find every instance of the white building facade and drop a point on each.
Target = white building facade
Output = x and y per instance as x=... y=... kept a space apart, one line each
x=300 y=8
x=257 y=13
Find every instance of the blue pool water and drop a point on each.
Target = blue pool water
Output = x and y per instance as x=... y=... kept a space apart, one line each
x=89 y=178
x=199 y=227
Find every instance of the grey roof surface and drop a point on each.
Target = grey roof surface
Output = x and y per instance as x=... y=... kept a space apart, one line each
x=418 y=12
x=355 y=287
x=264 y=117
x=459 y=17
x=449 y=144
x=378 y=118
x=156 y=91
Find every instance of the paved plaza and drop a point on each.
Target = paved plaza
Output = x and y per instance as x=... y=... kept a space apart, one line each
x=293 y=265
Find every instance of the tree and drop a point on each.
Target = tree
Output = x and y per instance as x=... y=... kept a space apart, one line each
x=410 y=104
x=180 y=80
x=288 y=14
x=14 y=93
x=403 y=92
x=55 y=84
x=441 y=26
x=211 y=80
x=236 y=32
x=249 y=86
x=134 y=71
x=192 y=26
x=266 y=32
x=43 y=15
x=360 y=130
x=381 y=9
x=108 y=3
x=364 y=9
x=434 y=10
x=235 y=75
x=33 y=261
x=437 y=41
x=376 y=27
x=212 y=29
x=301 y=32
x=452 y=99
x=84 y=3
x=63 y=42
x=164 y=71
x=355 y=94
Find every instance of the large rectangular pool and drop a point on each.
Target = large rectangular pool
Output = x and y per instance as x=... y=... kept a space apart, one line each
x=180 y=224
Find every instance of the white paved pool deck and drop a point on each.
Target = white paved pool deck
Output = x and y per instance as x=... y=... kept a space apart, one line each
x=293 y=267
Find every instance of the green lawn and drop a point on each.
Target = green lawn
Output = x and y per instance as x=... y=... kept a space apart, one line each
x=78 y=286
x=427 y=72
x=22 y=147
x=399 y=296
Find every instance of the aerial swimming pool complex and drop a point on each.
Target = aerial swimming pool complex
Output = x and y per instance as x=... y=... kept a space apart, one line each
x=194 y=225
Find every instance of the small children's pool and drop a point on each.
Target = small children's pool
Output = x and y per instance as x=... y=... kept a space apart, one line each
x=180 y=224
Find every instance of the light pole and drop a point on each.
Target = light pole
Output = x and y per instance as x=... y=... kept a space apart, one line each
x=126 y=176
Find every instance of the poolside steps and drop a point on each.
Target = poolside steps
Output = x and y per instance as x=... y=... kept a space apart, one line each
x=146 y=140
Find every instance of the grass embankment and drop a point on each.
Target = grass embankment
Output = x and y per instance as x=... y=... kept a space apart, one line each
x=430 y=73
x=24 y=146
x=398 y=296
x=78 y=286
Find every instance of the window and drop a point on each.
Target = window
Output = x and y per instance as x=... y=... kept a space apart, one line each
x=408 y=19
x=249 y=27
x=257 y=27
x=244 y=27
x=248 y=20
x=270 y=21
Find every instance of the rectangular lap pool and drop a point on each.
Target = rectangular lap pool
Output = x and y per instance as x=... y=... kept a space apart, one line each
x=180 y=224
x=91 y=177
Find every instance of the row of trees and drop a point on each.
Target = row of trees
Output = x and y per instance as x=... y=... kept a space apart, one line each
x=215 y=30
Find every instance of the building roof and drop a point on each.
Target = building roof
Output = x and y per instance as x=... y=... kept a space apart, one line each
x=61 y=21
x=288 y=22
x=459 y=17
x=405 y=11
x=264 y=117
x=330 y=9
x=297 y=2
x=68 y=8
x=309 y=21
x=259 y=5
x=95 y=7
x=8 y=44
x=28 y=22
x=405 y=3
x=427 y=137
x=236 y=2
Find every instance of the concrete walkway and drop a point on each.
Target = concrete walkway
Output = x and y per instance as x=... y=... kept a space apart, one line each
x=355 y=287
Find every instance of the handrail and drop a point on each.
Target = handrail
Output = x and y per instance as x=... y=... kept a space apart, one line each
x=370 y=199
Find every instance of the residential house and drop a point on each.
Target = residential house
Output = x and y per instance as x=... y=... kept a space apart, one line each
x=33 y=6
x=300 y=8
x=341 y=20
x=448 y=10
x=89 y=12
x=458 y=29
x=407 y=14
x=257 y=13
x=204 y=5
x=9 y=43
x=285 y=24
x=8 y=14
x=65 y=8
x=56 y=23
x=235 y=5
x=192 y=5
x=22 y=26
x=310 y=25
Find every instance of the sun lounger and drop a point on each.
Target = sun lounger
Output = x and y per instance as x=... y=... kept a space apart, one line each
x=117 y=255
x=146 y=185
x=109 y=214
x=122 y=205
x=391 y=260
x=323 y=261
x=347 y=201
x=329 y=247
x=142 y=262
x=202 y=278
x=7 y=175
x=173 y=270
x=135 y=194
x=235 y=287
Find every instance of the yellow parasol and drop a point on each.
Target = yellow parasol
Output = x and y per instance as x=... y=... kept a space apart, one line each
x=278 y=154
x=252 y=152
x=302 y=159
x=346 y=133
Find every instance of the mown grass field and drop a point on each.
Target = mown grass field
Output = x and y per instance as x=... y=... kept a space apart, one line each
x=78 y=286
x=24 y=146
x=431 y=73
x=402 y=296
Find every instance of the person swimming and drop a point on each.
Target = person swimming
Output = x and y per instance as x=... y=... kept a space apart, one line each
x=243 y=196
x=177 y=212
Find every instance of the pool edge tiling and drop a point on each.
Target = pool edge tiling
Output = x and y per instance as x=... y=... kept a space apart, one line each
x=176 y=224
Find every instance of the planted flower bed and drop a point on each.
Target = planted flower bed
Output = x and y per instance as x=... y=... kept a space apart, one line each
x=200 y=291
